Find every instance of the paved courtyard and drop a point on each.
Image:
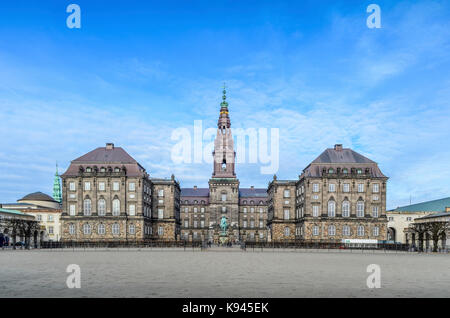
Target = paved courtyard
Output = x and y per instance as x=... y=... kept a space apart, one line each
x=222 y=273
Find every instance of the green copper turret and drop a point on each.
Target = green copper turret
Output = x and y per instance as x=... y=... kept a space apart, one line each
x=57 y=186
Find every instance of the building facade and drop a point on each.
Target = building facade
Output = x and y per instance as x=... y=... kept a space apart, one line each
x=244 y=209
x=108 y=196
x=341 y=195
x=401 y=218
x=45 y=209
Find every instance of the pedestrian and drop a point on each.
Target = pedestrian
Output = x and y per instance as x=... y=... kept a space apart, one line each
x=2 y=240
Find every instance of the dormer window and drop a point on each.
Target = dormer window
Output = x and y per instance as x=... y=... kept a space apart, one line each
x=331 y=170
x=88 y=169
x=359 y=171
x=102 y=169
x=345 y=170
x=116 y=169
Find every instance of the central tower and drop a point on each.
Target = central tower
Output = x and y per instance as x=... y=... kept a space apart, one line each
x=224 y=186
x=224 y=154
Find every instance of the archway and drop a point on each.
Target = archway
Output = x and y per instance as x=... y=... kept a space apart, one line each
x=392 y=234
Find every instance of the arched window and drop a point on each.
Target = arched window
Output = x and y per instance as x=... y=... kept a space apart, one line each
x=87 y=207
x=360 y=230
x=115 y=207
x=287 y=231
x=360 y=208
x=331 y=230
x=86 y=228
x=101 y=207
x=115 y=229
x=331 y=208
x=345 y=209
x=101 y=229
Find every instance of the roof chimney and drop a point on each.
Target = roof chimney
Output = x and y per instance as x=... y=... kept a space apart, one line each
x=109 y=145
x=338 y=147
x=195 y=187
x=252 y=187
x=447 y=209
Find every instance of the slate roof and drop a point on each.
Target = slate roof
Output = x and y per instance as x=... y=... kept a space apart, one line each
x=343 y=158
x=37 y=196
x=427 y=206
x=253 y=193
x=192 y=192
x=104 y=157
x=346 y=155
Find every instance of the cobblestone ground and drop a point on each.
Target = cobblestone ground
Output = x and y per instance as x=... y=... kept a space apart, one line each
x=222 y=273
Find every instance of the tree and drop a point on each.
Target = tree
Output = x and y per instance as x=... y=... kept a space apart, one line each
x=27 y=229
x=421 y=229
x=438 y=230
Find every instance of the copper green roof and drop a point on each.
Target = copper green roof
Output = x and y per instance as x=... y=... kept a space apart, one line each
x=428 y=206
x=12 y=212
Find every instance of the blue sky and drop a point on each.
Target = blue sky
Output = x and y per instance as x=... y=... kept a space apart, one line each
x=137 y=70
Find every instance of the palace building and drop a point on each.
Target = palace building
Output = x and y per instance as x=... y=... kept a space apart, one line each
x=107 y=195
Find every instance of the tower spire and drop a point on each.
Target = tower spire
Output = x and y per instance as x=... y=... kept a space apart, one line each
x=57 y=186
x=224 y=119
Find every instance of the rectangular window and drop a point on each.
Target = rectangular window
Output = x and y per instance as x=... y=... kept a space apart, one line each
x=261 y=224
x=286 y=214
x=39 y=217
x=252 y=224
x=160 y=193
x=116 y=186
x=186 y=210
x=195 y=210
x=346 y=187
x=287 y=193
x=132 y=209
x=331 y=187
x=160 y=213
x=245 y=224
x=376 y=231
x=375 y=197
x=50 y=230
x=315 y=230
x=315 y=187
x=132 y=186
x=72 y=209
x=360 y=187
x=72 y=186
x=224 y=197
x=202 y=223
x=376 y=188
x=186 y=223
x=245 y=210
x=375 y=211
x=195 y=223
x=50 y=218
x=202 y=210
x=87 y=186
x=252 y=210
x=101 y=186
x=315 y=210
x=160 y=230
